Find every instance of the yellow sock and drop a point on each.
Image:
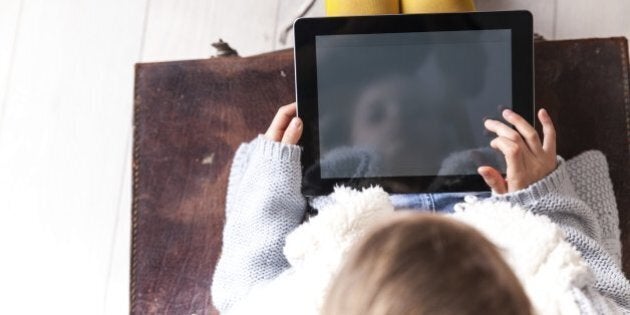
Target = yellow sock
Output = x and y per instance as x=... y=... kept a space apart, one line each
x=436 y=6
x=361 y=7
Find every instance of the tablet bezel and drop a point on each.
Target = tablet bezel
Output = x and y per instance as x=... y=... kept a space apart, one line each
x=520 y=24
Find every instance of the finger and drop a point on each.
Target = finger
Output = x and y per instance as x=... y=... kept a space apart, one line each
x=493 y=178
x=549 y=132
x=280 y=122
x=503 y=130
x=526 y=130
x=294 y=131
x=512 y=152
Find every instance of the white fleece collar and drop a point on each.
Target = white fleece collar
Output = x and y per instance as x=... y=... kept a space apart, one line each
x=547 y=266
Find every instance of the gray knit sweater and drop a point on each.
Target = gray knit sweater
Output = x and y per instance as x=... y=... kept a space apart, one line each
x=264 y=204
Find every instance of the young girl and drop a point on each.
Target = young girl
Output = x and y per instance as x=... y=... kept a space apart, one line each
x=546 y=241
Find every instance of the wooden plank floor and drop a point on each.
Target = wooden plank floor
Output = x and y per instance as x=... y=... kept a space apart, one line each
x=64 y=138
x=66 y=88
x=9 y=16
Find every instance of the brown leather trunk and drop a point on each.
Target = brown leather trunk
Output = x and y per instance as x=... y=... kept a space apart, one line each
x=190 y=116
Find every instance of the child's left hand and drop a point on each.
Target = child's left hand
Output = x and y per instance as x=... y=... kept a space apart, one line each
x=528 y=160
x=286 y=127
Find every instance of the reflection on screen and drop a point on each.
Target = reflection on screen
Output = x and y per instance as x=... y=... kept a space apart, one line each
x=410 y=104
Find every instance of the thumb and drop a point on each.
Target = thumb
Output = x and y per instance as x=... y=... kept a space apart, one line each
x=493 y=178
x=293 y=132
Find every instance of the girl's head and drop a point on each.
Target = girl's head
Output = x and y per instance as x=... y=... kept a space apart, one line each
x=425 y=264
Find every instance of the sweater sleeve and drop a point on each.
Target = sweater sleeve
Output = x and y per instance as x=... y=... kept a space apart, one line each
x=555 y=196
x=264 y=203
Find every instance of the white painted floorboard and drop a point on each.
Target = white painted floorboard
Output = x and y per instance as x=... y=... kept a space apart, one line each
x=63 y=137
x=9 y=15
x=66 y=93
x=247 y=25
x=578 y=19
x=177 y=30
x=544 y=12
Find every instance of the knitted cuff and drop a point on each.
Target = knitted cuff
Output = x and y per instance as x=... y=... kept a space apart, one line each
x=557 y=181
x=276 y=151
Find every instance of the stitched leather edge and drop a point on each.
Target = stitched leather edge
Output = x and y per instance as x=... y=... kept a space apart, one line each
x=135 y=186
x=623 y=44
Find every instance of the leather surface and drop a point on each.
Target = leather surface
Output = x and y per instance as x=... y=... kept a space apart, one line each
x=190 y=116
x=584 y=85
x=189 y=119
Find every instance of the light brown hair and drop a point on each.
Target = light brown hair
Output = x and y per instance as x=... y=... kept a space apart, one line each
x=425 y=264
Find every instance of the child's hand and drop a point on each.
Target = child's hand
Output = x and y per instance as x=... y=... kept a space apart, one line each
x=285 y=127
x=528 y=160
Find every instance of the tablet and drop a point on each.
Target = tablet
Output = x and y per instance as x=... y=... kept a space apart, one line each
x=399 y=100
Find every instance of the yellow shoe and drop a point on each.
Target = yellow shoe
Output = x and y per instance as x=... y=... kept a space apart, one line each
x=361 y=7
x=435 y=6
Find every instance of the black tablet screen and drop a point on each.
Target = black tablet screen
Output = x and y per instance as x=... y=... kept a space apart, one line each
x=410 y=104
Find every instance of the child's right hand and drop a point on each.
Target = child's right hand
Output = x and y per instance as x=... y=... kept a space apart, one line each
x=528 y=159
x=286 y=127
